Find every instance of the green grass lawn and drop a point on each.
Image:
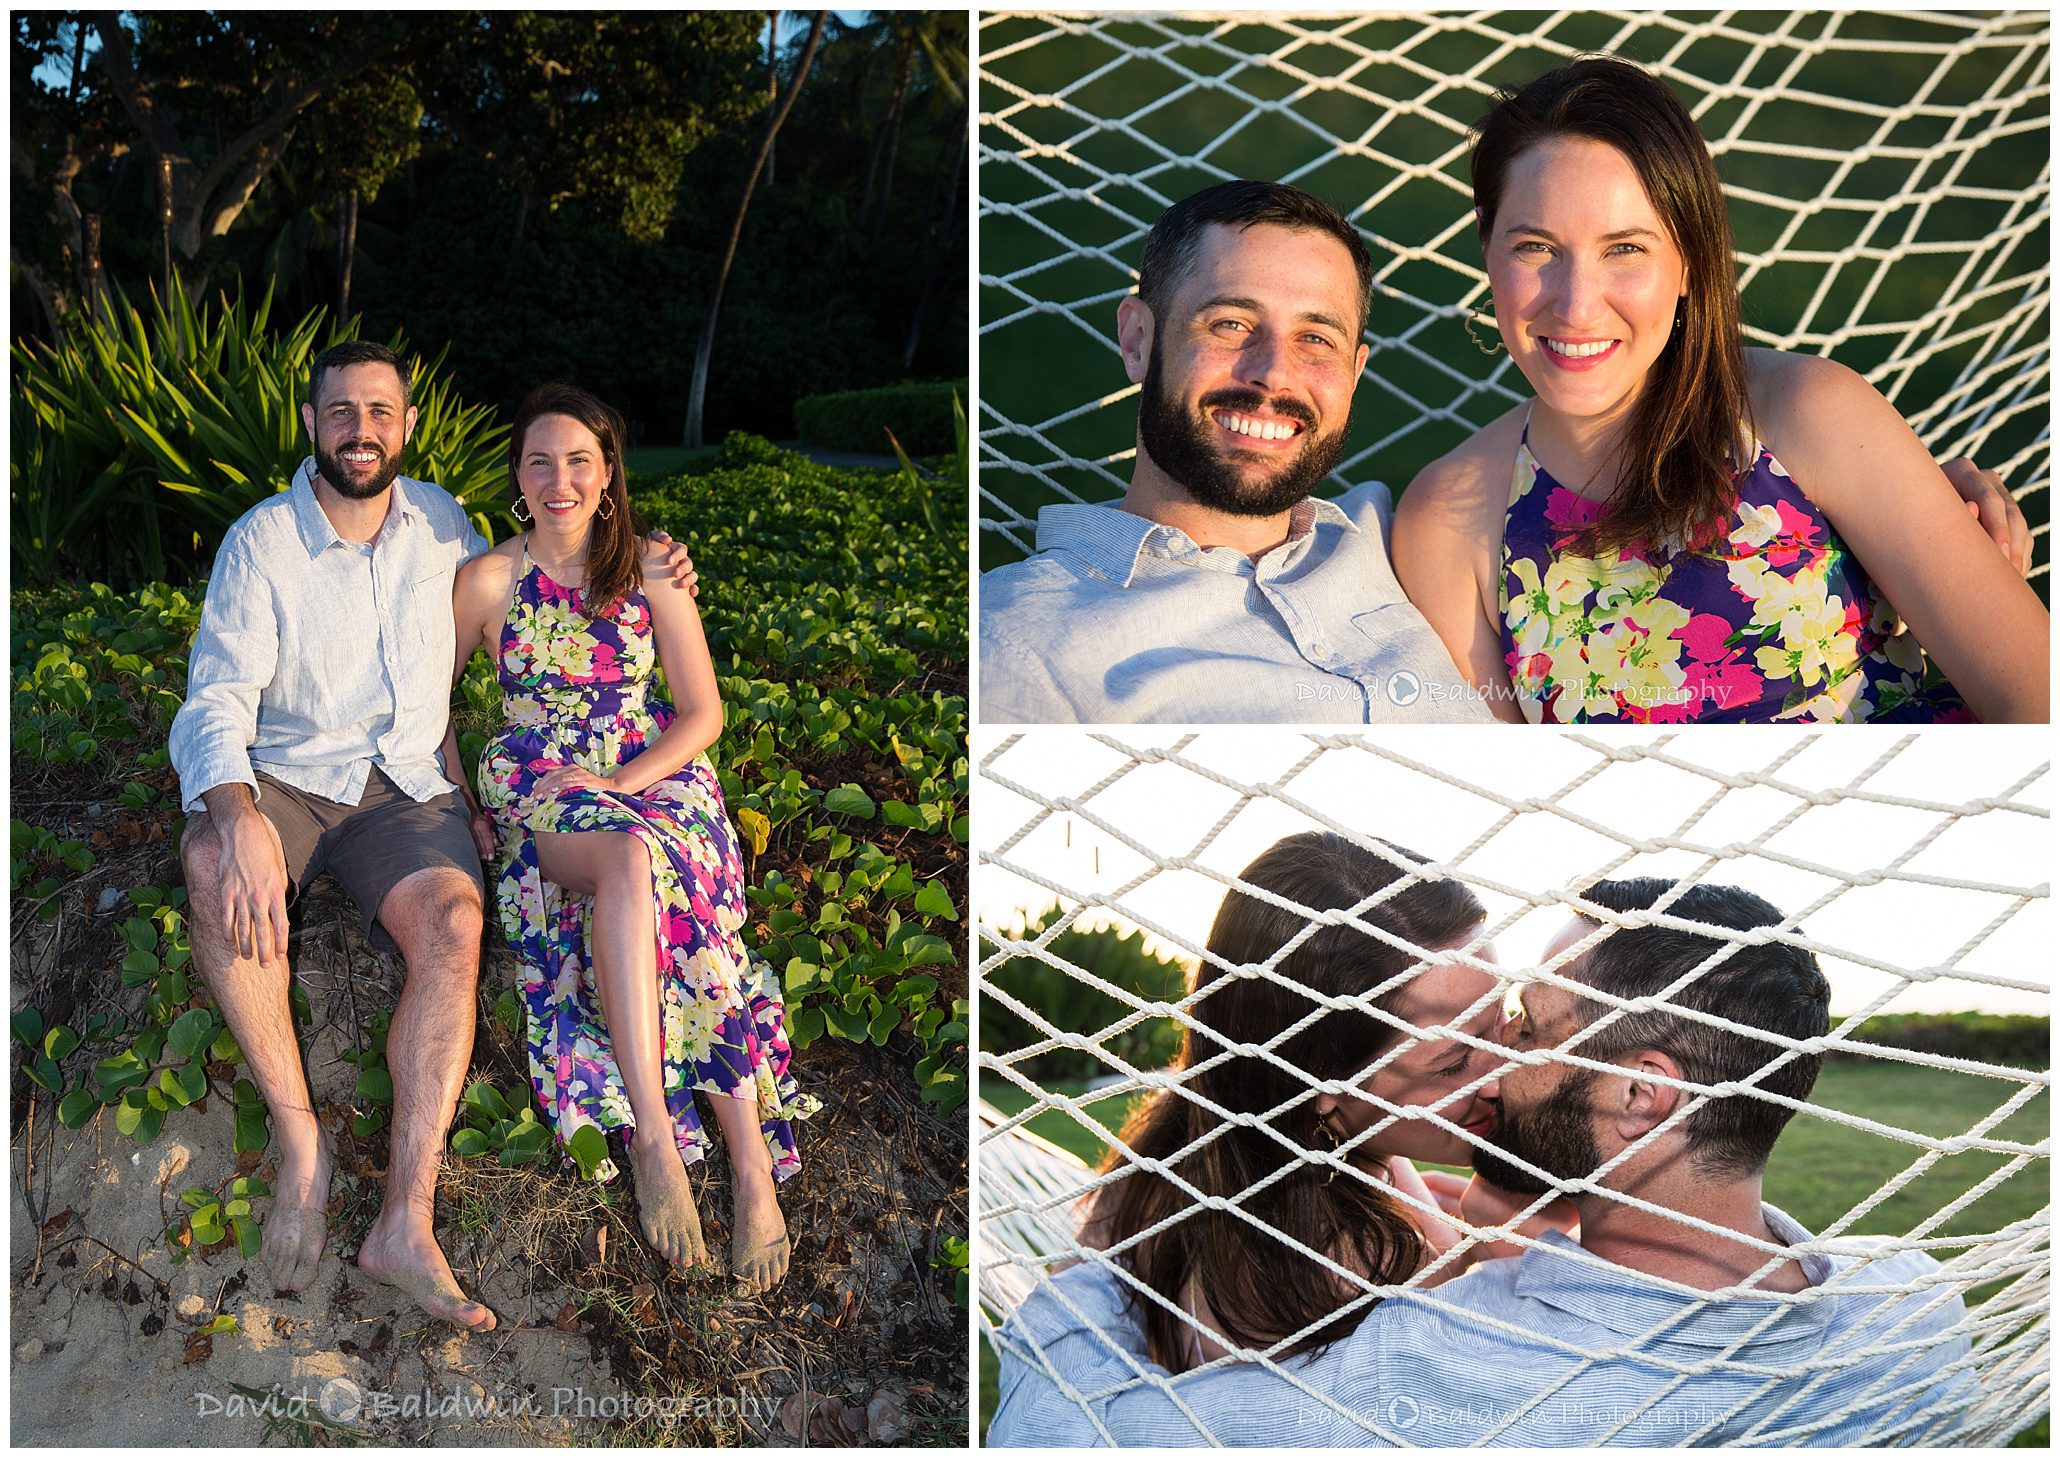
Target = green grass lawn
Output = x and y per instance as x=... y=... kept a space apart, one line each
x=1819 y=1172
x=655 y=463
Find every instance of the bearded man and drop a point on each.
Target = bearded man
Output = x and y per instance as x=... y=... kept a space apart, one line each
x=1219 y=588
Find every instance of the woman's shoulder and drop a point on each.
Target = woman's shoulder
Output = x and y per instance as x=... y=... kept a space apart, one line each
x=1469 y=485
x=1800 y=399
x=1817 y=417
x=655 y=554
x=492 y=570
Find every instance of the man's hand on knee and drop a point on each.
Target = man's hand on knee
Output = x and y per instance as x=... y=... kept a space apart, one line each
x=251 y=879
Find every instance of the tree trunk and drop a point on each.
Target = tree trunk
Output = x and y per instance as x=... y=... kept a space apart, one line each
x=697 y=392
x=346 y=249
x=521 y=221
x=772 y=82
x=940 y=230
x=882 y=139
x=207 y=203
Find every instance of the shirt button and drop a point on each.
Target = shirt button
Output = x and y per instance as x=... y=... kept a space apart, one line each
x=1319 y=649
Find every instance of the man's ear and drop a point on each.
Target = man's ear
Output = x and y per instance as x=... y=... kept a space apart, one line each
x=1134 y=326
x=408 y=425
x=307 y=420
x=1645 y=1102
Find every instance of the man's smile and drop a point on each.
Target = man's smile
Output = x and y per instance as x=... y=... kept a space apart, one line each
x=1257 y=427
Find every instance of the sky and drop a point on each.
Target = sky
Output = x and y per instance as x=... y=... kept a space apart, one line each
x=1420 y=797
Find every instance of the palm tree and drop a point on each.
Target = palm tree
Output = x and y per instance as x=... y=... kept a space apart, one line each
x=697 y=392
x=938 y=37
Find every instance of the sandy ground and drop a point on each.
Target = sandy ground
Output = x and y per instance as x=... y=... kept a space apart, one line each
x=103 y=1322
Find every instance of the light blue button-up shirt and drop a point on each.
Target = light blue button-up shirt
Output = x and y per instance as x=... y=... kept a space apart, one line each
x=1120 y=619
x=1874 y=1354
x=319 y=658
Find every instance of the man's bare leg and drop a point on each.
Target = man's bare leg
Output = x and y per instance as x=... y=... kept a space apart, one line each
x=254 y=1000
x=434 y=917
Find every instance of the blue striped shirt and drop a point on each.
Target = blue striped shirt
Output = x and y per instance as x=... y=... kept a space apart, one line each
x=1874 y=1354
x=1120 y=619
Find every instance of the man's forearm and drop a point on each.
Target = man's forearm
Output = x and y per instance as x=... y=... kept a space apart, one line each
x=454 y=766
x=228 y=803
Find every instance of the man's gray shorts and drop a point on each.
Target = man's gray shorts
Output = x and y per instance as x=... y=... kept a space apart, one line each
x=369 y=847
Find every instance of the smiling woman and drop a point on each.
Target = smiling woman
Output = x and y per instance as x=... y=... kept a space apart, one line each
x=1676 y=528
x=619 y=878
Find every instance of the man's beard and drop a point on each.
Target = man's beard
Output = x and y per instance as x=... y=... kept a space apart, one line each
x=1557 y=1135
x=1180 y=444
x=329 y=465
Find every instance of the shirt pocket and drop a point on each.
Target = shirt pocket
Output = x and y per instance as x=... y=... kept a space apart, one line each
x=428 y=637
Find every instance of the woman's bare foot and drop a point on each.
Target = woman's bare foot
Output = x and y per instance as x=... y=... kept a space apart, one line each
x=759 y=1250
x=298 y=1227
x=408 y=1258
x=665 y=1201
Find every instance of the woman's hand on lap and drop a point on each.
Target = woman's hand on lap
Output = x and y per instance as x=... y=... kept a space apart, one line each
x=570 y=777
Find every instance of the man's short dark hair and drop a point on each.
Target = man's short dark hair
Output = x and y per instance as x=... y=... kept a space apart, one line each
x=1772 y=986
x=1176 y=239
x=356 y=352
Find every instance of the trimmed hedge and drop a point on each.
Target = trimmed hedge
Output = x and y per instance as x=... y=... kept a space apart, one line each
x=919 y=414
x=2015 y=1041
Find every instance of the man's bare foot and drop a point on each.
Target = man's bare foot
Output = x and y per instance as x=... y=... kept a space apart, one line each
x=298 y=1227
x=665 y=1201
x=409 y=1259
x=759 y=1250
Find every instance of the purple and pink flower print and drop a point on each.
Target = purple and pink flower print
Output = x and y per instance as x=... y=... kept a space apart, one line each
x=578 y=691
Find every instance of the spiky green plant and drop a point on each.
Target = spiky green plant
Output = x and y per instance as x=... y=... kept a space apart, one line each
x=143 y=433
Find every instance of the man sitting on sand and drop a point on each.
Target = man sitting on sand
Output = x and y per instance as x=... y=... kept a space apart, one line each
x=317 y=698
x=1646 y=1331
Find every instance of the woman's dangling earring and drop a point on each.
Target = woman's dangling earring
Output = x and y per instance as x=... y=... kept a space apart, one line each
x=607 y=511
x=1473 y=314
x=520 y=510
x=1332 y=1141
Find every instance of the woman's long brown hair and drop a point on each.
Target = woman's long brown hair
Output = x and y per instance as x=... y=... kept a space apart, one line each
x=1681 y=451
x=1260 y=1290
x=615 y=542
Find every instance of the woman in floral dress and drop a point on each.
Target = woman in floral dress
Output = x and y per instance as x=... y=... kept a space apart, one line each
x=1674 y=528
x=619 y=880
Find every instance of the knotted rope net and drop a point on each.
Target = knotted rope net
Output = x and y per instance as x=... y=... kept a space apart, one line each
x=1912 y=868
x=1888 y=176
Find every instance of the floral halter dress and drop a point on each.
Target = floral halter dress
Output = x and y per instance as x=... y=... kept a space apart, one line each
x=1767 y=617
x=579 y=690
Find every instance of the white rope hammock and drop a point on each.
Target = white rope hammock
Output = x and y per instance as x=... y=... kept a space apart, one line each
x=1889 y=180
x=1906 y=895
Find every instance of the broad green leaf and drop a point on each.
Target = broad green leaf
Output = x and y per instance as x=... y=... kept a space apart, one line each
x=849 y=799
x=469 y=1141
x=76 y=1107
x=588 y=1146
x=252 y=1132
x=194 y=1030
x=934 y=900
